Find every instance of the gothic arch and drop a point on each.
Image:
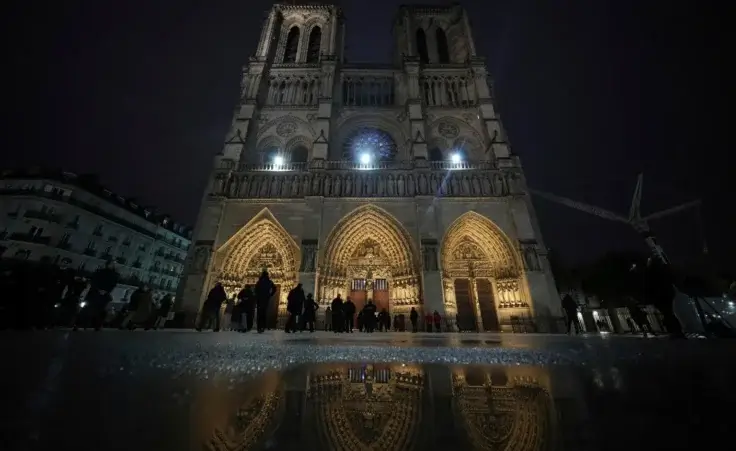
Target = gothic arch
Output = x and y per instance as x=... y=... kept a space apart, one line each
x=482 y=275
x=292 y=45
x=493 y=246
x=369 y=221
x=348 y=125
x=523 y=412
x=261 y=243
x=303 y=127
x=269 y=147
x=422 y=48
x=443 y=50
x=369 y=243
x=460 y=129
x=393 y=401
x=298 y=148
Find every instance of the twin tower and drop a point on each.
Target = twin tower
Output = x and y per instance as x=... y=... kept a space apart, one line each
x=391 y=182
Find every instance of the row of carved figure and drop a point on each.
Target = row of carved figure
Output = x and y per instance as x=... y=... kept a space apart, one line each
x=275 y=185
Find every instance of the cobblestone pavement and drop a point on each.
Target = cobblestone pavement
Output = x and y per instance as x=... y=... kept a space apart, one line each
x=174 y=387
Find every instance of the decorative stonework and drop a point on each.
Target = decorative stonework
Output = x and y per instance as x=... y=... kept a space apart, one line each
x=260 y=244
x=370 y=243
x=286 y=129
x=284 y=185
x=448 y=130
x=521 y=414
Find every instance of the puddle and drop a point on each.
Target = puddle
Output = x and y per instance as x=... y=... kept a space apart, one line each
x=389 y=406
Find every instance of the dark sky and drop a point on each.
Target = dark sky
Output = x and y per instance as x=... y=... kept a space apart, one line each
x=591 y=93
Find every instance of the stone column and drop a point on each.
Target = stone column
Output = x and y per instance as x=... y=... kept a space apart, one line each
x=432 y=289
x=308 y=267
x=494 y=130
x=320 y=151
x=476 y=304
x=266 y=35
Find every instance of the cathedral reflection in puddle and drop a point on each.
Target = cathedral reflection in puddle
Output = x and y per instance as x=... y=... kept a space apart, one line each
x=394 y=407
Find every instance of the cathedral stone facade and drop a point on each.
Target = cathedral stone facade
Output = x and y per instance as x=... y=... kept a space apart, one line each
x=388 y=182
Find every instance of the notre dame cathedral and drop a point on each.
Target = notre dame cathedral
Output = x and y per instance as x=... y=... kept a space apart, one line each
x=392 y=182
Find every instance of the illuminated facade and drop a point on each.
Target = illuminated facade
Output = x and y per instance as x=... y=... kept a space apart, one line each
x=390 y=407
x=386 y=182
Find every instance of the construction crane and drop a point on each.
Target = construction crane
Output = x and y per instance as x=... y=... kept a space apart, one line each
x=635 y=219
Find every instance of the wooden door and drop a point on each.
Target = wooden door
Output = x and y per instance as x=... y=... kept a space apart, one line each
x=465 y=308
x=487 y=305
x=272 y=315
x=357 y=294
x=380 y=295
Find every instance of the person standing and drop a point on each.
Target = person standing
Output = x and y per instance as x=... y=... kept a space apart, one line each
x=211 y=308
x=142 y=298
x=103 y=281
x=163 y=311
x=349 y=315
x=337 y=321
x=428 y=320
x=294 y=305
x=328 y=319
x=265 y=289
x=414 y=318
x=437 y=321
x=571 y=311
x=369 y=317
x=310 y=312
x=227 y=315
x=248 y=302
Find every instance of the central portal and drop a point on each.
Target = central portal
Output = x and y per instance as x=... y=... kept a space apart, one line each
x=369 y=256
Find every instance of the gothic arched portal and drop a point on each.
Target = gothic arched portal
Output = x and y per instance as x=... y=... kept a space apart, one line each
x=260 y=244
x=367 y=407
x=483 y=280
x=369 y=255
x=507 y=415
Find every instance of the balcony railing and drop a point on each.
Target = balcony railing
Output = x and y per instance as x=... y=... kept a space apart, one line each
x=28 y=238
x=339 y=165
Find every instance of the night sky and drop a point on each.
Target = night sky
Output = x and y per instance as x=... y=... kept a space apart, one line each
x=591 y=93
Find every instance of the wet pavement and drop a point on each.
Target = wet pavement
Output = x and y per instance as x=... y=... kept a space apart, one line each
x=180 y=390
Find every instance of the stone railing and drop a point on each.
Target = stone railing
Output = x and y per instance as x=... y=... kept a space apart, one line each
x=382 y=179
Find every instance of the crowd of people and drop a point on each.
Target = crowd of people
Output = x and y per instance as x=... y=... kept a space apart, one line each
x=252 y=303
x=47 y=295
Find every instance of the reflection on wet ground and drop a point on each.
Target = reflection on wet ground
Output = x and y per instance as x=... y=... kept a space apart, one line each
x=82 y=392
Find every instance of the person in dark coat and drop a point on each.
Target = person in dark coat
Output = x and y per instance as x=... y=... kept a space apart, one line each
x=437 y=321
x=310 y=312
x=163 y=311
x=369 y=316
x=571 y=311
x=265 y=289
x=338 y=323
x=638 y=316
x=211 y=308
x=248 y=303
x=103 y=281
x=294 y=306
x=428 y=320
x=348 y=310
x=383 y=320
x=660 y=289
x=414 y=318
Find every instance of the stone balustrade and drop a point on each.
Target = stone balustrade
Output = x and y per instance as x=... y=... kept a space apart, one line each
x=380 y=179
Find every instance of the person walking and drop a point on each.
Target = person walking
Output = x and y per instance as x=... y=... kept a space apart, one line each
x=265 y=289
x=414 y=318
x=571 y=311
x=211 y=309
x=294 y=305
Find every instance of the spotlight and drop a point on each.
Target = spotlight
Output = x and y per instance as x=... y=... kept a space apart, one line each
x=365 y=158
x=82 y=304
x=278 y=160
x=456 y=158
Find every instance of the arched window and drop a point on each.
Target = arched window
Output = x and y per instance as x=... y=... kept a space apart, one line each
x=315 y=38
x=435 y=154
x=269 y=155
x=292 y=45
x=422 y=46
x=299 y=154
x=367 y=145
x=442 y=50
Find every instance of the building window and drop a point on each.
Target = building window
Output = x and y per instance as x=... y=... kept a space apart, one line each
x=315 y=38
x=299 y=155
x=292 y=45
x=443 y=51
x=422 y=46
